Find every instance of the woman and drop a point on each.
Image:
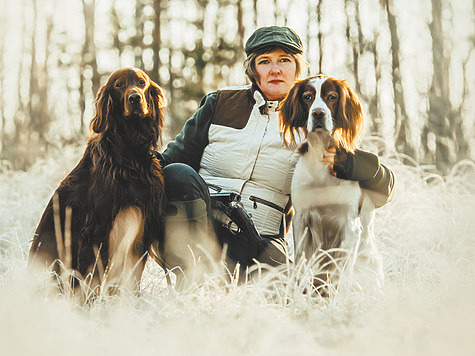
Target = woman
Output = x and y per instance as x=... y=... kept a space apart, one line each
x=232 y=143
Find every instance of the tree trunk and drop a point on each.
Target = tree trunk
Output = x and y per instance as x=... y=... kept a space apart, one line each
x=402 y=134
x=373 y=100
x=157 y=42
x=320 y=37
x=461 y=141
x=138 y=38
x=256 y=21
x=318 y=15
x=438 y=126
x=88 y=60
x=355 y=43
x=2 y=100
x=240 y=23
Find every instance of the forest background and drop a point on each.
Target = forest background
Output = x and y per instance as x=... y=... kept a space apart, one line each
x=412 y=62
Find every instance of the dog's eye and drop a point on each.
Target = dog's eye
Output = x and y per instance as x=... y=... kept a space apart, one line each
x=307 y=97
x=119 y=84
x=142 y=81
x=332 y=97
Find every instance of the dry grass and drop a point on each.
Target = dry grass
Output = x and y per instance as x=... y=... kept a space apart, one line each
x=427 y=307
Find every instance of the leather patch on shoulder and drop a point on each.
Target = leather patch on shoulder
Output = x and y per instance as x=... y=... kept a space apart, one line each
x=233 y=108
x=303 y=149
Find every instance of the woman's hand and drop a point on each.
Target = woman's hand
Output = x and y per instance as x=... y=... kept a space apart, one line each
x=329 y=157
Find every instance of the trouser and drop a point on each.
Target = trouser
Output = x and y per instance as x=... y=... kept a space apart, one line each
x=194 y=241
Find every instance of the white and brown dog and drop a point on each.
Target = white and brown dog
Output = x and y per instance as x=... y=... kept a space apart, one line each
x=333 y=219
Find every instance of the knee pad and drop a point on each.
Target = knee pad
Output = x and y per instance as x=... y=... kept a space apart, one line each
x=183 y=183
x=192 y=211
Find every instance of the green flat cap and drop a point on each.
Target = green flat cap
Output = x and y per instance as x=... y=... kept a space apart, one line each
x=274 y=35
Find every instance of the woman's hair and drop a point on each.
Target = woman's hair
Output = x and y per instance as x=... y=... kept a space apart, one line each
x=250 y=62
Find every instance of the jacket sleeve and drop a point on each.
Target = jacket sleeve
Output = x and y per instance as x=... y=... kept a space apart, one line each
x=190 y=143
x=372 y=175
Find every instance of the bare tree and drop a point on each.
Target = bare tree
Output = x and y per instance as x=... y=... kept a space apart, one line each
x=156 y=40
x=360 y=46
x=137 y=40
x=461 y=141
x=356 y=42
x=256 y=13
x=438 y=128
x=38 y=83
x=240 y=16
x=115 y=21
x=215 y=55
x=318 y=15
x=320 y=36
x=88 y=58
x=2 y=100
x=403 y=143
x=373 y=99
x=19 y=117
x=38 y=111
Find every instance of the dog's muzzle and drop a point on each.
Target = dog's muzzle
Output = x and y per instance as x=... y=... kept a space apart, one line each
x=134 y=98
x=319 y=120
x=135 y=105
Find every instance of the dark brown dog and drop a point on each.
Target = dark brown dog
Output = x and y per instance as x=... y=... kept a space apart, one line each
x=115 y=193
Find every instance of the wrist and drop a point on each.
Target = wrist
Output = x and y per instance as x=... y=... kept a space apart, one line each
x=358 y=166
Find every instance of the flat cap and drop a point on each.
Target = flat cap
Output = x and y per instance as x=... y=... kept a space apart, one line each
x=274 y=35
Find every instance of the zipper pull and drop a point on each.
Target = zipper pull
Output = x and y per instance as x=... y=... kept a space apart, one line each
x=254 y=200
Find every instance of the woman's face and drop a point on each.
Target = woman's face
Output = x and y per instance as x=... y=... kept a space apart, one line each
x=277 y=71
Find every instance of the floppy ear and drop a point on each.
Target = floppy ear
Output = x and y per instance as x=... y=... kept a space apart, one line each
x=293 y=114
x=349 y=117
x=103 y=107
x=157 y=105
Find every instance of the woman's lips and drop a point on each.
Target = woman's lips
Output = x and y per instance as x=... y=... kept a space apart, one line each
x=276 y=81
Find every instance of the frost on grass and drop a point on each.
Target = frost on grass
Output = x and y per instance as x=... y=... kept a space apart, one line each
x=427 y=306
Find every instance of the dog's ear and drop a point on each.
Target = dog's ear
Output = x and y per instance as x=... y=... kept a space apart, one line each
x=349 y=117
x=293 y=114
x=157 y=105
x=103 y=108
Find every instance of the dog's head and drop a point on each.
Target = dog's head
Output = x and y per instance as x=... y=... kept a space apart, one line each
x=129 y=94
x=325 y=104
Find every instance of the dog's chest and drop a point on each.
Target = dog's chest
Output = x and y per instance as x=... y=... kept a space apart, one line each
x=313 y=186
x=130 y=182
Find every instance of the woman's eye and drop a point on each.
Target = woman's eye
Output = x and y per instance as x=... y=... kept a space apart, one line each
x=285 y=60
x=264 y=61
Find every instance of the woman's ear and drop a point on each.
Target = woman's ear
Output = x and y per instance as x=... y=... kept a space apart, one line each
x=157 y=105
x=103 y=110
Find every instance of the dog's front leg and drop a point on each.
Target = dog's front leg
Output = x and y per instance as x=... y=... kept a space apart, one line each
x=369 y=262
x=305 y=243
x=126 y=259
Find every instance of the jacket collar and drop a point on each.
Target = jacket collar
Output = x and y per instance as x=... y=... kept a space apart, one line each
x=264 y=106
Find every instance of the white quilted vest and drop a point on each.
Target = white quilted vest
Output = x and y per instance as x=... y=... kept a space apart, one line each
x=253 y=162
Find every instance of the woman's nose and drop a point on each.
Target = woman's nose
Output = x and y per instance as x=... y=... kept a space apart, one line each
x=276 y=68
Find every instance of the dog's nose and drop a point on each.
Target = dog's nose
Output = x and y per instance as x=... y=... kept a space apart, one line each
x=318 y=118
x=135 y=98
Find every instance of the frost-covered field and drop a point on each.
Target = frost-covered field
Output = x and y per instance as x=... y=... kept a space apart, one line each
x=427 y=308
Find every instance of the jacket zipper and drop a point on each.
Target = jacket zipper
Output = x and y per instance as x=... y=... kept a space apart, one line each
x=216 y=188
x=265 y=202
